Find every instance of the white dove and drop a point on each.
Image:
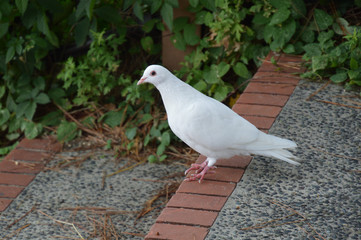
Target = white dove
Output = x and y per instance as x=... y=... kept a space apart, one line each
x=210 y=127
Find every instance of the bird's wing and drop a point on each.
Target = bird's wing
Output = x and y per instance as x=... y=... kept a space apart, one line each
x=214 y=126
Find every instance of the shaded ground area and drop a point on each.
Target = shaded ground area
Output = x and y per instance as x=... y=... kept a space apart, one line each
x=321 y=198
x=78 y=202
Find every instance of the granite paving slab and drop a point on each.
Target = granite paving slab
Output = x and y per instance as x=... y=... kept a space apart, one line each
x=321 y=198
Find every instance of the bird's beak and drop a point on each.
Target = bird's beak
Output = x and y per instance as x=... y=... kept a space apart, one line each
x=141 y=80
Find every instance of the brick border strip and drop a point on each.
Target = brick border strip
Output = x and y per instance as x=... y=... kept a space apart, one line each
x=21 y=165
x=193 y=209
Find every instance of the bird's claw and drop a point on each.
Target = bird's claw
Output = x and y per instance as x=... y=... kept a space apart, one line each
x=199 y=174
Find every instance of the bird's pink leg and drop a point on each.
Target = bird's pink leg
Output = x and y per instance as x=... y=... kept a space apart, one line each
x=197 y=167
x=200 y=176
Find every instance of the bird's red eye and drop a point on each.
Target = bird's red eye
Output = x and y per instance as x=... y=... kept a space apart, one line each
x=153 y=73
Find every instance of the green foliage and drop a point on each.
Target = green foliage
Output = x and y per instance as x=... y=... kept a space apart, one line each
x=58 y=58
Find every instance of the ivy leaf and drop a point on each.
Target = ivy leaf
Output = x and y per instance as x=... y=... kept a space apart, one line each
x=223 y=68
x=280 y=16
x=338 y=77
x=4 y=116
x=179 y=23
x=353 y=64
x=280 y=3
x=155 y=6
x=3 y=29
x=167 y=14
x=81 y=31
x=32 y=130
x=241 y=70
x=178 y=41
x=112 y=118
x=323 y=20
x=138 y=11
x=312 y=49
x=9 y=54
x=210 y=75
x=21 y=5
x=147 y=43
x=200 y=85
x=66 y=131
x=131 y=132
x=319 y=63
x=193 y=3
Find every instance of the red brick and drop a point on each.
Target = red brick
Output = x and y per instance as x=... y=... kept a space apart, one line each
x=4 y=203
x=15 y=179
x=281 y=89
x=194 y=201
x=263 y=99
x=26 y=155
x=223 y=174
x=9 y=191
x=260 y=122
x=275 y=78
x=49 y=144
x=187 y=216
x=280 y=67
x=20 y=167
x=207 y=187
x=290 y=58
x=257 y=110
x=233 y=162
x=176 y=232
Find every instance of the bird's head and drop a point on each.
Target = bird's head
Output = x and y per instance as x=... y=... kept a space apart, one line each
x=154 y=74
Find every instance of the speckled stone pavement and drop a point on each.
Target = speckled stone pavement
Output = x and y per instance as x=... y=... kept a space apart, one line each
x=56 y=195
x=321 y=198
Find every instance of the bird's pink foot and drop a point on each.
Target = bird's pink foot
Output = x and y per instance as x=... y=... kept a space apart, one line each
x=201 y=170
x=197 y=167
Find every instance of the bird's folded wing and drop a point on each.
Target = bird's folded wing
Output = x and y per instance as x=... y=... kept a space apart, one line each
x=213 y=125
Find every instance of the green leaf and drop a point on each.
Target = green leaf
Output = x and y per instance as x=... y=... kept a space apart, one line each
x=32 y=130
x=3 y=29
x=241 y=70
x=9 y=54
x=149 y=25
x=353 y=64
x=39 y=83
x=193 y=3
x=112 y=118
x=147 y=117
x=26 y=109
x=319 y=63
x=147 y=43
x=299 y=9
x=280 y=16
x=210 y=75
x=308 y=36
x=223 y=68
x=131 y=132
x=42 y=98
x=138 y=10
x=190 y=35
x=324 y=36
x=160 y=149
x=21 y=5
x=221 y=92
x=66 y=131
x=289 y=49
x=81 y=31
x=312 y=49
x=4 y=116
x=354 y=74
x=152 y=159
x=165 y=139
x=280 y=3
x=260 y=19
x=155 y=6
x=167 y=15
x=179 y=23
x=178 y=41
x=323 y=20
x=338 y=77
x=200 y=85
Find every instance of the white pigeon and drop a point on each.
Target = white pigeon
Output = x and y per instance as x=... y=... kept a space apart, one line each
x=210 y=127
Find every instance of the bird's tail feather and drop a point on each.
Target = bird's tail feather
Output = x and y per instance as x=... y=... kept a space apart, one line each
x=272 y=146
